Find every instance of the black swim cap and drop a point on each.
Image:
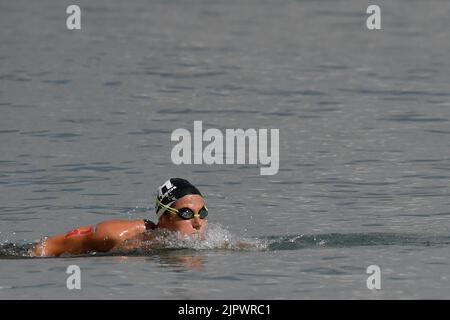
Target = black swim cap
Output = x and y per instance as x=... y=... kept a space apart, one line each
x=172 y=190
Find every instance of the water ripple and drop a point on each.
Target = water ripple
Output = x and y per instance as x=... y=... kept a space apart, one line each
x=396 y=92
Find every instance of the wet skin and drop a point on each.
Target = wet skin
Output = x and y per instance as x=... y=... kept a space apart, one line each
x=174 y=223
x=109 y=234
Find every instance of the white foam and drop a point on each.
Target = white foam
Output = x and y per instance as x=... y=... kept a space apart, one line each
x=215 y=237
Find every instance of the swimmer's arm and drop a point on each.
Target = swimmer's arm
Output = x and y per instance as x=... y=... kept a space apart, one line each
x=135 y=243
x=103 y=237
x=61 y=243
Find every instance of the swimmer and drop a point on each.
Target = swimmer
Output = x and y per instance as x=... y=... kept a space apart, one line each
x=179 y=207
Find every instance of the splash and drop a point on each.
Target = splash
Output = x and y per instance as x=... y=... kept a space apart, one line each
x=15 y=250
x=215 y=237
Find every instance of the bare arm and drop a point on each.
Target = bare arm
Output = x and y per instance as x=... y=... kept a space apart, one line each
x=101 y=237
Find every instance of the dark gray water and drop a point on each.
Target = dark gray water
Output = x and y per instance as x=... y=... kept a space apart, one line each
x=86 y=119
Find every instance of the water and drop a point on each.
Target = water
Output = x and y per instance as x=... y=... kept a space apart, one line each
x=86 y=119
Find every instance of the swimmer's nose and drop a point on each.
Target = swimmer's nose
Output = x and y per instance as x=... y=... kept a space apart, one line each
x=196 y=223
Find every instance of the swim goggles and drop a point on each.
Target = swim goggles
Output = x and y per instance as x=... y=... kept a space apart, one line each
x=185 y=213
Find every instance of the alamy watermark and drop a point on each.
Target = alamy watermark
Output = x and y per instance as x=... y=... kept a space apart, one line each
x=373 y=22
x=374 y=280
x=189 y=149
x=73 y=22
x=74 y=280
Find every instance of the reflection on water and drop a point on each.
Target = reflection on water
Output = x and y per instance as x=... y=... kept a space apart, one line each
x=193 y=262
x=172 y=258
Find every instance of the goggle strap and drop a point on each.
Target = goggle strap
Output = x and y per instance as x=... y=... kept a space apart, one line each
x=170 y=209
x=175 y=211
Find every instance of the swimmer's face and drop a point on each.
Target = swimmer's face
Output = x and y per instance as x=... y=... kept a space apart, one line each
x=174 y=223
